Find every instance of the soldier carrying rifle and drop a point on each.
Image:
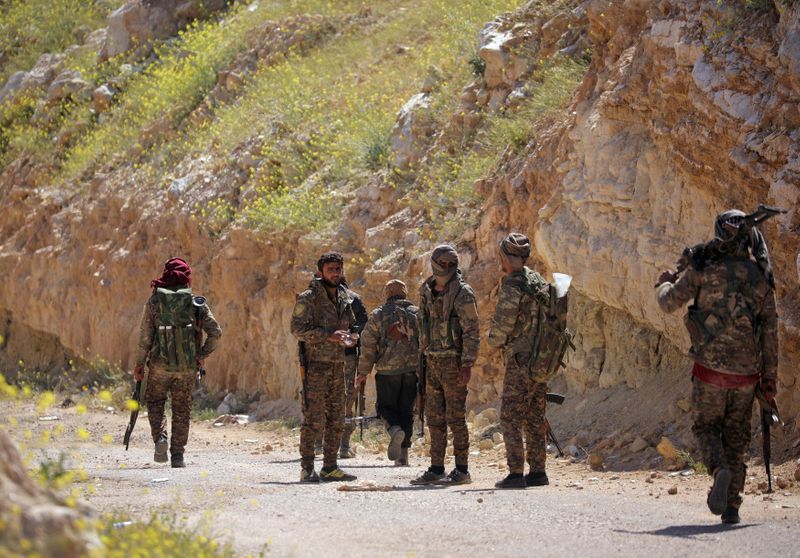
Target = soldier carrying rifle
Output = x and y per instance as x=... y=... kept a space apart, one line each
x=732 y=325
x=172 y=325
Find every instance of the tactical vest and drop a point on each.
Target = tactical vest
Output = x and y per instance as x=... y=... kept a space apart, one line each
x=705 y=324
x=178 y=328
x=441 y=322
x=547 y=329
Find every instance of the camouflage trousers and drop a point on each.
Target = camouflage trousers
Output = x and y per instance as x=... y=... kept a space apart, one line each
x=445 y=406
x=722 y=427
x=323 y=408
x=523 y=411
x=350 y=394
x=178 y=386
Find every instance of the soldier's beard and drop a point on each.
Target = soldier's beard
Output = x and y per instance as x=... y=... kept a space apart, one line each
x=331 y=284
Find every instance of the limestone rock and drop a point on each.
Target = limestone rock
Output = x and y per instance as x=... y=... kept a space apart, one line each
x=596 y=461
x=412 y=131
x=485 y=444
x=135 y=24
x=28 y=512
x=667 y=449
x=638 y=445
x=497 y=438
x=67 y=84
x=672 y=490
x=102 y=97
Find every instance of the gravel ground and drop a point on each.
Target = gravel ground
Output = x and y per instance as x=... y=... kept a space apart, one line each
x=241 y=482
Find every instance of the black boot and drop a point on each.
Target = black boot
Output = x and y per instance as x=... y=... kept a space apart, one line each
x=177 y=460
x=538 y=478
x=513 y=480
x=731 y=515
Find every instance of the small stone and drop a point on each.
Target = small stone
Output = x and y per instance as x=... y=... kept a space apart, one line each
x=797 y=473
x=497 y=438
x=480 y=500
x=596 y=461
x=763 y=486
x=672 y=490
x=613 y=477
x=684 y=405
x=782 y=483
x=649 y=480
x=638 y=445
x=486 y=444
x=667 y=449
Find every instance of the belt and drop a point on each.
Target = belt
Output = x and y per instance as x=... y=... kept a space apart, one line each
x=723 y=380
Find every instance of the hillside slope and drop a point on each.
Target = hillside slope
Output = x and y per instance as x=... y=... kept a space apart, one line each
x=611 y=132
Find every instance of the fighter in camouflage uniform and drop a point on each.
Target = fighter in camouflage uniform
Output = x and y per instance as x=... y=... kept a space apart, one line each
x=733 y=328
x=350 y=365
x=523 y=401
x=168 y=337
x=390 y=343
x=448 y=330
x=323 y=318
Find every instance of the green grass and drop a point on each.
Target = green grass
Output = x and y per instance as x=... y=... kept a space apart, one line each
x=30 y=28
x=445 y=188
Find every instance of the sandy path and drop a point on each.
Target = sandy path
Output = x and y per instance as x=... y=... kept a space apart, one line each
x=248 y=493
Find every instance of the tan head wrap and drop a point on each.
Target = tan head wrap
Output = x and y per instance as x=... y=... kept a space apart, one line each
x=395 y=287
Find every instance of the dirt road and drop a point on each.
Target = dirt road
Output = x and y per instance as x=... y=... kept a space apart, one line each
x=241 y=481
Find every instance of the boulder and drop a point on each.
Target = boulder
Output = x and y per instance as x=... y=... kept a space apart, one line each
x=411 y=133
x=38 y=516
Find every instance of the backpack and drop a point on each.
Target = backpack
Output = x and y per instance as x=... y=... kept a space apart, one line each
x=178 y=328
x=551 y=337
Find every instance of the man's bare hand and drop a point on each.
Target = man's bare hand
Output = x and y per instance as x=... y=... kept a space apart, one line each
x=361 y=379
x=338 y=337
x=138 y=373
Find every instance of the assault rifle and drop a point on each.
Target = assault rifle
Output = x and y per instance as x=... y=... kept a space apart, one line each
x=422 y=378
x=699 y=255
x=362 y=402
x=139 y=390
x=303 y=358
x=769 y=416
x=558 y=399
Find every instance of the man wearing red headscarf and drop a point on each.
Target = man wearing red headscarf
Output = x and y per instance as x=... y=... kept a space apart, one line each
x=171 y=345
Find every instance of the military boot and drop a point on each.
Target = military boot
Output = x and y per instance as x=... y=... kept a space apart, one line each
x=428 y=477
x=335 y=474
x=718 y=496
x=402 y=461
x=513 y=480
x=396 y=437
x=309 y=475
x=160 y=455
x=731 y=515
x=538 y=478
x=346 y=452
x=177 y=461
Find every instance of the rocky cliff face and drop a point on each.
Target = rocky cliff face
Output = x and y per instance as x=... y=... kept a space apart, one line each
x=687 y=109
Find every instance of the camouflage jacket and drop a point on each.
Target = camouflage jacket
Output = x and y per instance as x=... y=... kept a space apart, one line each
x=733 y=324
x=514 y=323
x=448 y=321
x=147 y=351
x=316 y=317
x=390 y=341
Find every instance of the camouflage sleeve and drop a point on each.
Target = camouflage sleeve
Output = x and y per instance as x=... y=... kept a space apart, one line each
x=673 y=296
x=361 y=315
x=768 y=322
x=370 y=340
x=212 y=330
x=147 y=334
x=466 y=308
x=303 y=326
x=505 y=314
x=422 y=319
